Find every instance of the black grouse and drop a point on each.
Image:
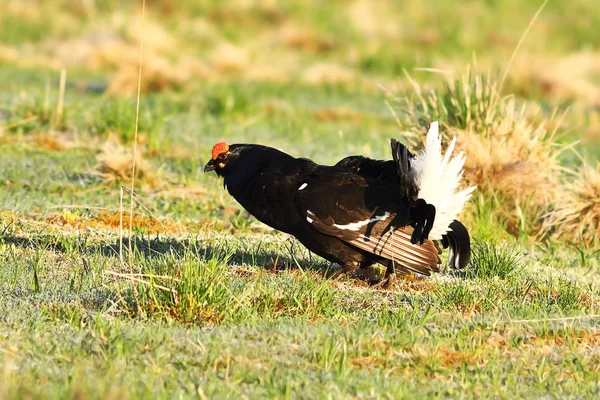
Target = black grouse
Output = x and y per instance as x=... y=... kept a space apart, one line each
x=351 y=218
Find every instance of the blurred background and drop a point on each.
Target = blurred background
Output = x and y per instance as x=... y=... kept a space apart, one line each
x=205 y=49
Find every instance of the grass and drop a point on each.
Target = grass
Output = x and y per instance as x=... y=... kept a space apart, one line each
x=222 y=322
x=215 y=304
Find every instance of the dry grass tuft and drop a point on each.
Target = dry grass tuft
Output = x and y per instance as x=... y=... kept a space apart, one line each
x=195 y=51
x=162 y=69
x=379 y=23
x=324 y=73
x=159 y=74
x=114 y=47
x=304 y=39
x=250 y=15
x=54 y=141
x=264 y=71
x=515 y=157
x=115 y=161
x=111 y=220
x=568 y=77
x=228 y=58
x=338 y=114
x=26 y=56
x=511 y=150
x=576 y=214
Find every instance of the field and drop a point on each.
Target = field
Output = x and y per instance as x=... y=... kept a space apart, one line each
x=204 y=301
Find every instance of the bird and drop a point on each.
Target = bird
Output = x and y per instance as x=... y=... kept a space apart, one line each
x=348 y=218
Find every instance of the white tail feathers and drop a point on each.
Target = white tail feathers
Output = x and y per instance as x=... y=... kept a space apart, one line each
x=438 y=179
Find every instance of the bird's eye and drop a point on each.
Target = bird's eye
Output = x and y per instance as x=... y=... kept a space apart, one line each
x=223 y=156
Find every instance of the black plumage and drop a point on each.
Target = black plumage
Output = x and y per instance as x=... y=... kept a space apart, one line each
x=398 y=172
x=351 y=219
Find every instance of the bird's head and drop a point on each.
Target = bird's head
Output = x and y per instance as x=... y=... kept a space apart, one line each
x=224 y=158
x=244 y=160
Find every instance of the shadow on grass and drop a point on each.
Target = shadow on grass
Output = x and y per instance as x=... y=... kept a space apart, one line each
x=296 y=257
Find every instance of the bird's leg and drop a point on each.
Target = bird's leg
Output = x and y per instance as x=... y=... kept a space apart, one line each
x=389 y=279
x=336 y=274
x=387 y=282
x=345 y=270
x=292 y=251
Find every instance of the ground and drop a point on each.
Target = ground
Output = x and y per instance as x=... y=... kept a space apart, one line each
x=205 y=301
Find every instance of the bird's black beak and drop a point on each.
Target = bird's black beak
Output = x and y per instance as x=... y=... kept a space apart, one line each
x=210 y=166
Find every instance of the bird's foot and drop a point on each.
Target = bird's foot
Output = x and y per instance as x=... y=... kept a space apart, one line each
x=336 y=274
x=347 y=269
x=387 y=282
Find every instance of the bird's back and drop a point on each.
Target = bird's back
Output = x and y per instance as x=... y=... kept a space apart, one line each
x=265 y=183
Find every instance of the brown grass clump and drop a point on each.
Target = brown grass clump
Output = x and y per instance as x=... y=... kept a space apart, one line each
x=158 y=74
x=53 y=141
x=111 y=220
x=511 y=151
x=249 y=15
x=568 y=77
x=338 y=114
x=576 y=214
x=516 y=158
x=115 y=47
x=304 y=39
x=324 y=73
x=115 y=161
x=161 y=70
x=229 y=58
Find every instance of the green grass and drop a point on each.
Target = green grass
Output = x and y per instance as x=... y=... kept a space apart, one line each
x=235 y=327
x=215 y=304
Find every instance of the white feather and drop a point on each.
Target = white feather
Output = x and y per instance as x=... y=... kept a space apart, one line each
x=354 y=226
x=438 y=179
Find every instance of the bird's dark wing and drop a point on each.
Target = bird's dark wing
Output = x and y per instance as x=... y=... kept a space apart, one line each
x=367 y=214
x=397 y=172
x=393 y=171
x=382 y=170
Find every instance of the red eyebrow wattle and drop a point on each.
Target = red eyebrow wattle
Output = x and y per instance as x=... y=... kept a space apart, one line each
x=219 y=148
